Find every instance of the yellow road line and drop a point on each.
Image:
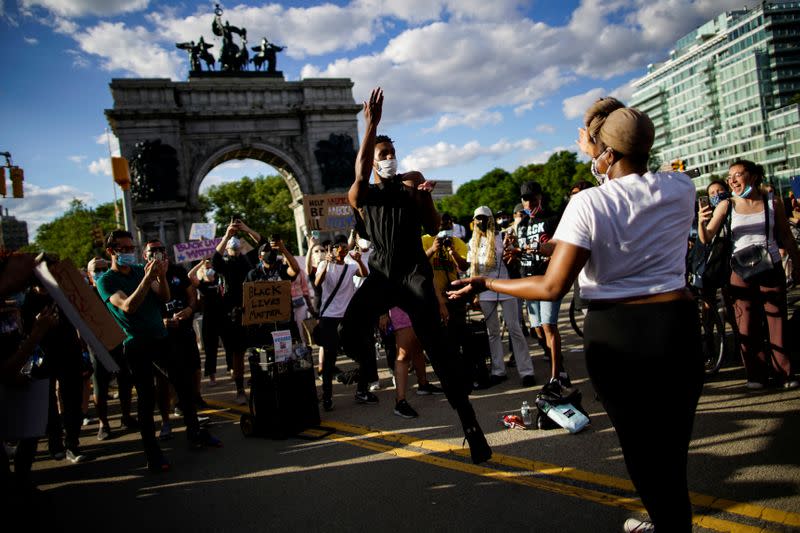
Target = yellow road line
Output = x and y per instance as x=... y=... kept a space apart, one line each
x=701 y=500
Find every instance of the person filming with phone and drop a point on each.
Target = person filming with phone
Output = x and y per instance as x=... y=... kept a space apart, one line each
x=134 y=294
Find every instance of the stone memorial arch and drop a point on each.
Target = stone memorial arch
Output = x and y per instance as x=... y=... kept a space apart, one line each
x=174 y=133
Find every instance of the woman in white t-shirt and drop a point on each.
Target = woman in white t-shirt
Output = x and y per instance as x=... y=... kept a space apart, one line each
x=626 y=242
x=485 y=257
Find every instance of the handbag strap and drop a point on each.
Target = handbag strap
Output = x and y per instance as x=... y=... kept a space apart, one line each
x=766 y=223
x=335 y=289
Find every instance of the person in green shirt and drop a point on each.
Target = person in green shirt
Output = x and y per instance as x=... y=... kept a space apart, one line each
x=134 y=293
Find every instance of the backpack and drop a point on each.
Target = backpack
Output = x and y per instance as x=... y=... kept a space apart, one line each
x=553 y=394
x=710 y=264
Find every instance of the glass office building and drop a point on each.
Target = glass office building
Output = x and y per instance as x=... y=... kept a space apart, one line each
x=726 y=92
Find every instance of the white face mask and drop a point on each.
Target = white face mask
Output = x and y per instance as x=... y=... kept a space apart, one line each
x=363 y=244
x=601 y=177
x=387 y=168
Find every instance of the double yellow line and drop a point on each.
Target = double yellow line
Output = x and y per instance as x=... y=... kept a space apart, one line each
x=519 y=472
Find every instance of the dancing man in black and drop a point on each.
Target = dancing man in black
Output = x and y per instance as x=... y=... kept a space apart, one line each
x=393 y=210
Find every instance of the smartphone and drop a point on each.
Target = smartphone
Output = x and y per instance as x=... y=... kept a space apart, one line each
x=315 y=234
x=158 y=256
x=703 y=201
x=275 y=237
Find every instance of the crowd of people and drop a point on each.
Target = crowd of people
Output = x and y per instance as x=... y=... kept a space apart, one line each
x=620 y=246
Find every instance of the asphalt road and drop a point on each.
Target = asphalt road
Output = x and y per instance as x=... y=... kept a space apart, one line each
x=379 y=472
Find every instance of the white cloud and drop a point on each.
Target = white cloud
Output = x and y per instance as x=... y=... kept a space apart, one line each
x=100 y=166
x=77 y=159
x=542 y=157
x=42 y=205
x=31 y=40
x=474 y=120
x=130 y=49
x=522 y=109
x=575 y=106
x=444 y=154
x=546 y=128
x=104 y=138
x=82 y=8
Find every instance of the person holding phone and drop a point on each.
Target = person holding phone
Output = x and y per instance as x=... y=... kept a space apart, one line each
x=231 y=267
x=134 y=294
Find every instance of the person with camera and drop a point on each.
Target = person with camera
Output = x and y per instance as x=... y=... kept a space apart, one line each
x=335 y=276
x=204 y=278
x=757 y=282
x=134 y=295
x=393 y=210
x=626 y=241
x=273 y=267
x=486 y=257
x=101 y=378
x=231 y=270
x=177 y=315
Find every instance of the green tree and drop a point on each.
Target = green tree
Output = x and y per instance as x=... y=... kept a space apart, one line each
x=70 y=235
x=262 y=202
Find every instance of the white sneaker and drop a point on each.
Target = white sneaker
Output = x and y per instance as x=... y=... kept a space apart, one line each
x=754 y=385
x=375 y=385
x=634 y=525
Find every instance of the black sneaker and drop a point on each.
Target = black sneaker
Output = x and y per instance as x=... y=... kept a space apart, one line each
x=528 y=381
x=157 y=463
x=428 y=388
x=130 y=423
x=496 y=380
x=478 y=447
x=402 y=408
x=366 y=397
x=327 y=405
x=204 y=439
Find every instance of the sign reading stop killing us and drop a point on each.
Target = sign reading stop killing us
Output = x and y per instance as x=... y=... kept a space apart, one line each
x=266 y=302
x=195 y=250
x=328 y=212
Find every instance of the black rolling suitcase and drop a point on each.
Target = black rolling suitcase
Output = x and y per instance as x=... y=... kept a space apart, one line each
x=283 y=397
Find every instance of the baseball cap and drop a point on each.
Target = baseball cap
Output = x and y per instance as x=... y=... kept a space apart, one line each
x=482 y=211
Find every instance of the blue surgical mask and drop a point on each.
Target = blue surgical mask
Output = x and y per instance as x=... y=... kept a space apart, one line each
x=745 y=193
x=715 y=200
x=126 y=260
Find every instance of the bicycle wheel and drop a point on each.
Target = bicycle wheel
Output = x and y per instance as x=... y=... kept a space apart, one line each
x=712 y=330
x=576 y=318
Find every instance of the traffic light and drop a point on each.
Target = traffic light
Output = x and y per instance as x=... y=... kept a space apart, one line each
x=121 y=172
x=17 y=176
x=678 y=165
x=3 y=181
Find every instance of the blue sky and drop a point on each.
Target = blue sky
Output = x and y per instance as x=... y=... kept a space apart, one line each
x=470 y=85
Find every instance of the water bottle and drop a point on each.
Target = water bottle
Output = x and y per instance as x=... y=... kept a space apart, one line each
x=525 y=411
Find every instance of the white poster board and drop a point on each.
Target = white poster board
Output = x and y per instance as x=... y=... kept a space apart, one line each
x=202 y=231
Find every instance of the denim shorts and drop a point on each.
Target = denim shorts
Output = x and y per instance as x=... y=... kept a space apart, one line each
x=543 y=312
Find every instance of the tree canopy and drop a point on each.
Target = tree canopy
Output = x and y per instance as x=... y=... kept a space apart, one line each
x=499 y=189
x=70 y=235
x=261 y=202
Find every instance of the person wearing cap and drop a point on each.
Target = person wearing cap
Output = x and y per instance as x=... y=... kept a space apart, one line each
x=102 y=377
x=393 y=210
x=534 y=233
x=626 y=242
x=486 y=251
x=231 y=270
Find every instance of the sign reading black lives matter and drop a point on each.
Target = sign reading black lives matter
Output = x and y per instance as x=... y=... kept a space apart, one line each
x=328 y=212
x=266 y=302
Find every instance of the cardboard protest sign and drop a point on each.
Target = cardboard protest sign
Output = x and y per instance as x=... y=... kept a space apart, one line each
x=202 y=231
x=83 y=308
x=195 y=250
x=266 y=302
x=328 y=212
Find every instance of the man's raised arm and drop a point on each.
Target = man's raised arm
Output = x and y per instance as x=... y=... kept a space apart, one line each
x=366 y=152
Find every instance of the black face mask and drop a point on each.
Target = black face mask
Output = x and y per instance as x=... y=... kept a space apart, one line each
x=270 y=258
x=482 y=225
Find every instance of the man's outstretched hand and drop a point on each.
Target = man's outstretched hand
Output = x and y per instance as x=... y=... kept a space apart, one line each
x=374 y=107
